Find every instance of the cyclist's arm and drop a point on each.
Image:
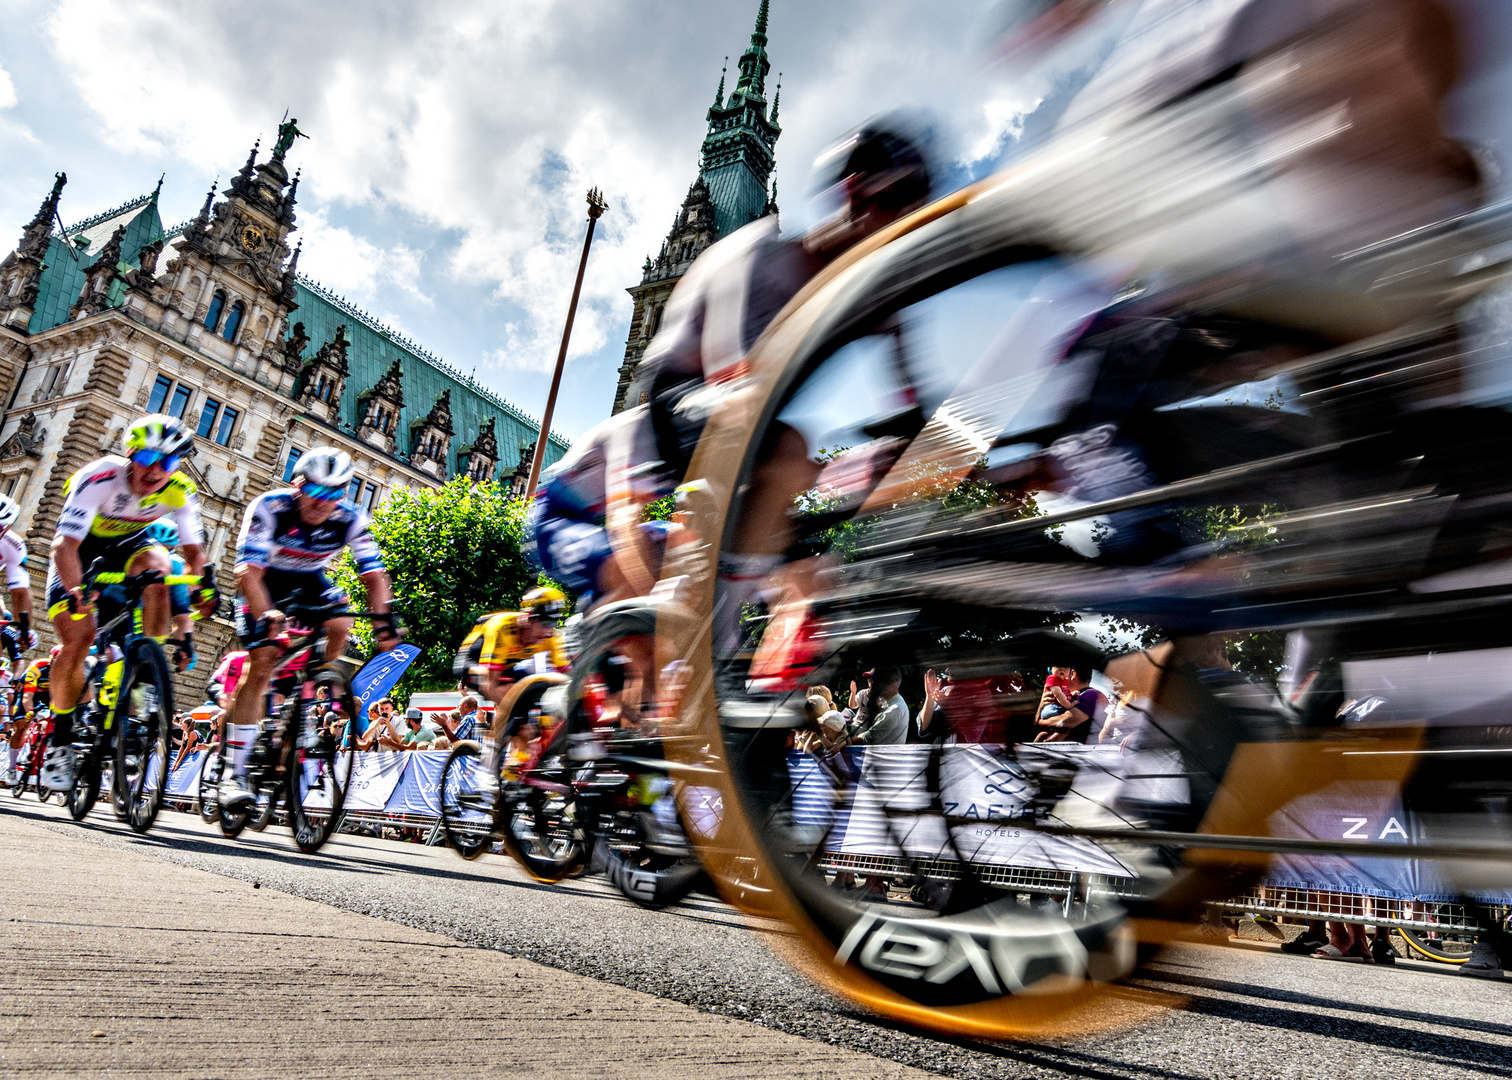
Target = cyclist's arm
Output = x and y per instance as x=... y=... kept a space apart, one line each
x=65 y=557
x=253 y=589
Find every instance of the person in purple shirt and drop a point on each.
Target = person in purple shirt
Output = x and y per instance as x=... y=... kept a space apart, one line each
x=1084 y=710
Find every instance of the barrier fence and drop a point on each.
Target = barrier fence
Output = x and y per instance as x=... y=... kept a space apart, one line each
x=878 y=812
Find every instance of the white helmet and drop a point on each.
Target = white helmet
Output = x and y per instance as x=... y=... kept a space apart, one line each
x=10 y=510
x=326 y=467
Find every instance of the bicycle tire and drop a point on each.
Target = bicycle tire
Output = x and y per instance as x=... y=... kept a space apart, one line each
x=1419 y=942
x=207 y=791
x=322 y=767
x=1049 y=965
x=86 y=786
x=540 y=827
x=31 y=772
x=650 y=879
x=468 y=839
x=264 y=815
x=232 y=822
x=144 y=730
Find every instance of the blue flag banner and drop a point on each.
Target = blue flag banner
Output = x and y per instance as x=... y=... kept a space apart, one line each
x=378 y=676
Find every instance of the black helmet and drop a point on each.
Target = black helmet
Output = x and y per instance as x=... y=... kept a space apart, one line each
x=892 y=164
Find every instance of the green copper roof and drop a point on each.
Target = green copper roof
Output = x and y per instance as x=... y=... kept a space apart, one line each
x=372 y=348
x=63 y=277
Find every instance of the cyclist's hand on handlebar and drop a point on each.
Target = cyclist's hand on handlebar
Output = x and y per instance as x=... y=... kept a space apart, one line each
x=79 y=605
x=387 y=632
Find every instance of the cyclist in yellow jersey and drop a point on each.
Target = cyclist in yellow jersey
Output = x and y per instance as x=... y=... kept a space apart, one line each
x=509 y=645
x=107 y=507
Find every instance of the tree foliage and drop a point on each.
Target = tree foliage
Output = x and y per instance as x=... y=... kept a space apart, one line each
x=453 y=553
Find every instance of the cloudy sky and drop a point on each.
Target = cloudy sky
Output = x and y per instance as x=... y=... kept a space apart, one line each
x=451 y=143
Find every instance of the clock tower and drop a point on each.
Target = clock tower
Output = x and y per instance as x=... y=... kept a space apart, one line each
x=233 y=274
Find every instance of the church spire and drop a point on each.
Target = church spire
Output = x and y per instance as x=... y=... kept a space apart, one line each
x=719 y=94
x=754 y=64
x=777 y=99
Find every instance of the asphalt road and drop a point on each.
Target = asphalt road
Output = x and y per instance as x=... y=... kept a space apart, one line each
x=1248 y=1010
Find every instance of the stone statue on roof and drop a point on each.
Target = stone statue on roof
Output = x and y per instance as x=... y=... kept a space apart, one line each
x=288 y=131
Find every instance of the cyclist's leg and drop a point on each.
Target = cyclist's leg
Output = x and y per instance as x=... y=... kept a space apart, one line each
x=337 y=631
x=76 y=633
x=155 y=606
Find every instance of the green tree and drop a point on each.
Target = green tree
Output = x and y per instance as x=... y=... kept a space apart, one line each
x=453 y=553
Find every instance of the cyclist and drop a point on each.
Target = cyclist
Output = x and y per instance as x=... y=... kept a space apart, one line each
x=107 y=507
x=288 y=538
x=17 y=636
x=165 y=532
x=34 y=695
x=872 y=177
x=509 y=645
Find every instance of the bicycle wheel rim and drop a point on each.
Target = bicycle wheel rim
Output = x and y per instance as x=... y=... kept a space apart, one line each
x=467 y=826
x=539 y=824
x=319 y=770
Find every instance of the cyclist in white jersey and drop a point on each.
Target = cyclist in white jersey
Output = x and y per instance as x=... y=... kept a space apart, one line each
x=107 y=507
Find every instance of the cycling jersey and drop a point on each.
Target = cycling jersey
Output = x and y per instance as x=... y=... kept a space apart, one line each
x=566 y=521
x=99 y=503
x=228 y=674
x=495 y=644
x=37 y=681
x=13 y=556
x=274 y=537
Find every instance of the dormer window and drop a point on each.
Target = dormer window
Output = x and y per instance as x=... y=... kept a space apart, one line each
x=234 y=320
x=217 y=305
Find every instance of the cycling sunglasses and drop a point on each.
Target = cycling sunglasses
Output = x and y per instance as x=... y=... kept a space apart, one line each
x=323 y=492
x=148 y=458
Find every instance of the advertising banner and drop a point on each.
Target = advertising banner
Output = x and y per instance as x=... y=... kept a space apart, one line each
x=378 y=676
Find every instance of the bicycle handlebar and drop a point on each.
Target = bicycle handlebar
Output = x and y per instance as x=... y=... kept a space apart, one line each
x=149 y=577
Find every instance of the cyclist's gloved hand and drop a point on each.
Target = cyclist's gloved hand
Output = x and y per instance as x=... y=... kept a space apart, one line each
x=184 y=656
x=387 y=631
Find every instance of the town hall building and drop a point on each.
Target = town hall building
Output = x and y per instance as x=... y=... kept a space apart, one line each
x=211 y=322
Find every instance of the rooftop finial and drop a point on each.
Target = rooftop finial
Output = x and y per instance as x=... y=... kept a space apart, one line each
x=761 y=21
x=204 y=215
x=159 y=189
x=251 y=158
x=719 y=94
x=777 y=98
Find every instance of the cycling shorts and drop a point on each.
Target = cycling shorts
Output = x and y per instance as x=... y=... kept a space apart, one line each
x=114 y=552
x=12 y=642
x=282 y=585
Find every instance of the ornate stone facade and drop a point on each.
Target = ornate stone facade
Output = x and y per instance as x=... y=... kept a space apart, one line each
x=731 y=191
x=116 y=316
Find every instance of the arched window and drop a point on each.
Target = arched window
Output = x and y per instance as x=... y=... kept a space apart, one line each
x=234 y=320
x=320 y=389
x=217 y=304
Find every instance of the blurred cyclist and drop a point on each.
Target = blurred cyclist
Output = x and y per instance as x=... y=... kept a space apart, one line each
x=107 y=507
x=510 y=645
x=873 y=177
x=288 y=538
x=17 y=636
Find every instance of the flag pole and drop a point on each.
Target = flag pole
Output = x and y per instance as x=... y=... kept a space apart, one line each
x=596 y=208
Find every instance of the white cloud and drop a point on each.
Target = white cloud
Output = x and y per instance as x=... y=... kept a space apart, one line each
x=354 y=266
x=487 y=122
x=8 y=96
